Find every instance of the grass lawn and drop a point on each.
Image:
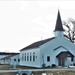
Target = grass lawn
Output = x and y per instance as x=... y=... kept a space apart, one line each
x=60 y=72
x=7 y=67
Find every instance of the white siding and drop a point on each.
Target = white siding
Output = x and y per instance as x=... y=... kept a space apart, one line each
x=15 y=57
x=26 y=62
x=10 y=61
x=48 y=49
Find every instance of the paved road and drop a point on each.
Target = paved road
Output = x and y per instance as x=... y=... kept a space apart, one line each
x=66 y=69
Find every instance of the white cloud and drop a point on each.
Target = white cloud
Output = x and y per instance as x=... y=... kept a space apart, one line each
x=23 y=4
x=23 y=22
x=44 y=22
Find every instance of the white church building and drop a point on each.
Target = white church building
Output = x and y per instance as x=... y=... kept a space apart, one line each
x=57 y=50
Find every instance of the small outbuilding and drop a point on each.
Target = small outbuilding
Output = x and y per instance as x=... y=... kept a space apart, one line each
x=10 y=59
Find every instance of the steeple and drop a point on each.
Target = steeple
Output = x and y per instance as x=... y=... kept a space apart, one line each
x=59 y=28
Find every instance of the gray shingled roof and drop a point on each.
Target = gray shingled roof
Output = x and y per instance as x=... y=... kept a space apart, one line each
x=37 y=44
x=8 y=57
x=7 y=53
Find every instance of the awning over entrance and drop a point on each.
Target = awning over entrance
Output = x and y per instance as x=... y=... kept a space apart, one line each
x=65 y=54
x=62 y=56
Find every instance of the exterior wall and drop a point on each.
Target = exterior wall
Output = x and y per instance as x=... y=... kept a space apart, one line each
x=15 y=60
x=30 y=61
x=68 y=61
x=5 y=61
x=53 y=59
x=2 y=56
x=59 y=34
x=48 y=49
x=2 y=61
x=10 y=61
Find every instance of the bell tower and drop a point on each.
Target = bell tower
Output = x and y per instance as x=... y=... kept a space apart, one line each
x=59 y=28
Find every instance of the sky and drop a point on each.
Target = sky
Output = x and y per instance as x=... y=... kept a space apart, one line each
x=25 y=22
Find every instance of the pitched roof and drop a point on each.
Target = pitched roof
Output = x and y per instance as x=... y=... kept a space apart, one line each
x=37 y=44
x=60 y=47
x=8 y=57
x=67 y=53
x=59 y=26
x=7 y=53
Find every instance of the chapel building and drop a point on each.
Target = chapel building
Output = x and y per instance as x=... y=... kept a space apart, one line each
x=57 y=50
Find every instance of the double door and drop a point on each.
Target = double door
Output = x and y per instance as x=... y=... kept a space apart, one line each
x=61 y=61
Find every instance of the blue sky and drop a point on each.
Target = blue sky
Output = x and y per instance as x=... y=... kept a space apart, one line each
x=24 y=22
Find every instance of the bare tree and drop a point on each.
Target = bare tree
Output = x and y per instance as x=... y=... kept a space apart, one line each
x=69 y=27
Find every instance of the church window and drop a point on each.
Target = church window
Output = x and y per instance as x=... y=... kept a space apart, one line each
x=48 y=58
x=30 y=57
x=18 y=60
x=72 y=59
x=22 y=56
x=33 y=56
x=14 y=59
x=25 y=56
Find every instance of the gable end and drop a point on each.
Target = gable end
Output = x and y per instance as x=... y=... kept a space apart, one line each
x=59 y=47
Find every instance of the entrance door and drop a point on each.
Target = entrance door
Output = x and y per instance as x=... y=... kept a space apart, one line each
x=61 y=62
x=64 y=58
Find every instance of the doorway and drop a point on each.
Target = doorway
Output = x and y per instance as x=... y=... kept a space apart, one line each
x=62 y=57
x=61 y=62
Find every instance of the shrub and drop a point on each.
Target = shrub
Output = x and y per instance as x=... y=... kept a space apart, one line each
x=53 y=65
x=48 y=66
x=43 y=65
